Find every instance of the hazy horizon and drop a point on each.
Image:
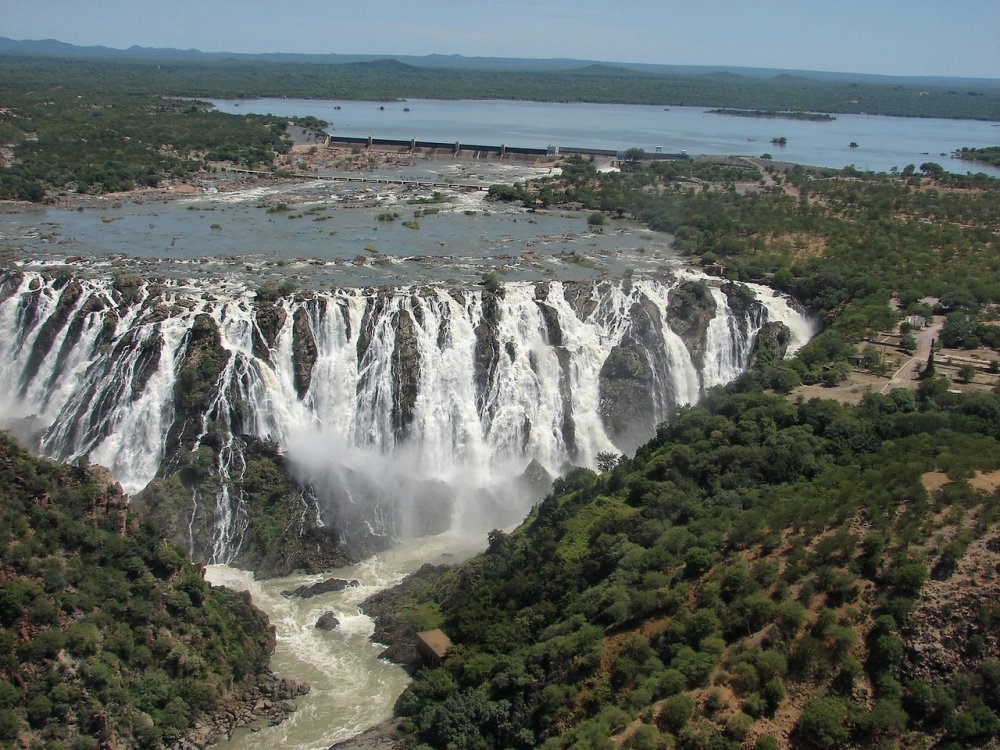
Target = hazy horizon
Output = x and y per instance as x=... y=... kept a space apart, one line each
x=890 y=37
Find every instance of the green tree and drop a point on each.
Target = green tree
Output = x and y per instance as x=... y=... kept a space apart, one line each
x=823 y=724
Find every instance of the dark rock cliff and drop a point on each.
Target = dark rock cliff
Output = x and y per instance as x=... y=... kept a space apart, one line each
x=690 y=309
x=405 y=374
x=628 y=383
x=304 y=351
x=269 y=320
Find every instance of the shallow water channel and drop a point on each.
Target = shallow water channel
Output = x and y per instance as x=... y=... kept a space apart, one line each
x=331 y=232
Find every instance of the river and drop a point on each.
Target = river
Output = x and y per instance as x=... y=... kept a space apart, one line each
x=352 y=689
x=333 y=234
x=883 y=142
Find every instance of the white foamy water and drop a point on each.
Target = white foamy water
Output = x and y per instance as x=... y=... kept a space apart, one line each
x=352 y=689
x=428 y=387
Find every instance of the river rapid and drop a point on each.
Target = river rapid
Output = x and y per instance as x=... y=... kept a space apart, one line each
x=352 y=689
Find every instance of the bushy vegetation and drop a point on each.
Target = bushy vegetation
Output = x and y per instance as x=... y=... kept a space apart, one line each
x=988 y=155
x=389 y=80
x=73 y=132
x=756 y=570
x=107 y=633
x=756 y=549
x=842 y=243
x=103 y=126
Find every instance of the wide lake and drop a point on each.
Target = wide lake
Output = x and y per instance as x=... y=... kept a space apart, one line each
x=883 y=142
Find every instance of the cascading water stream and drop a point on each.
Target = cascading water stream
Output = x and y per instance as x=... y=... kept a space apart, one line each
x=395 y=388
x=388 y=403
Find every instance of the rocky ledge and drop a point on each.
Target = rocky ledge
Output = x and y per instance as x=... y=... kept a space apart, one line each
x=392 y=627
x=323 y=587
x=266 y=702
x=379 y=737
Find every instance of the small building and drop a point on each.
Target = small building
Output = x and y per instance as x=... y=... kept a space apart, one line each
x=433 y=645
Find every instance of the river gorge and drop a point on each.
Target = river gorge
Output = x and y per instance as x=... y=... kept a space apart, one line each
x=346 y=394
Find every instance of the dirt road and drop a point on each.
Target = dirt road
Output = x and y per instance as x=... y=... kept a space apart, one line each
x=904 y=376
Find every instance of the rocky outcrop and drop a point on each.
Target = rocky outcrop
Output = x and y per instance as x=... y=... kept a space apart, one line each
x=487 y=349
x=310 y=548
x=554 y=337
x=405 y=374
x=282 y=534
x=949 y=615
x=771 y=344
x=108 y=500
x=269 y=320
x=146 y=363
x=70 y=341
x=745 y=306
x=264 y=702
x=392 y=628
x=553 y=331
x=582 y=297
x=50 y=330
x=536 y=480
x=690 y=308
x=628 y=383
x=379 y=737
x=304 y=351
x=10 y=282
x=330 y=585
x=204 y=359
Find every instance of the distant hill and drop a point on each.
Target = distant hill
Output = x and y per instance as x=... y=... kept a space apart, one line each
x=55 y=48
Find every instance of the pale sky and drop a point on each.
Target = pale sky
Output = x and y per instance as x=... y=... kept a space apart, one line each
x=896 y=37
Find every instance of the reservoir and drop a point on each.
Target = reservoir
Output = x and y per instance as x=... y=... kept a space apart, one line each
x=882 y=142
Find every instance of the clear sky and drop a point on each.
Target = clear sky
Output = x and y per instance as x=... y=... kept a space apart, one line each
x=897 y=37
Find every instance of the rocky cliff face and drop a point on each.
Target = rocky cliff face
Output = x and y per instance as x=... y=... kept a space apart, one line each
x=389 y=395
x=487 y=348
x=629 y=387
x=270 y=318
x=690 y=309
x=771 y=344
x=405 y=374
x=194 y=390
x=304 y=351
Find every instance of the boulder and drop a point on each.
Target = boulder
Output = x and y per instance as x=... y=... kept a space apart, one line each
x=323 y=587
x=327 y=621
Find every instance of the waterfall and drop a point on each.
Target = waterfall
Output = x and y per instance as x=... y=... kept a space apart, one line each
x=380 y=396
